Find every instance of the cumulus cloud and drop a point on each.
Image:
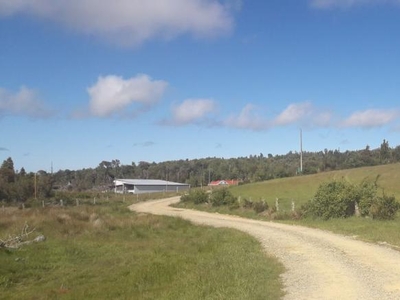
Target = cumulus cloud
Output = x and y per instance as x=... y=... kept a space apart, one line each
x=113 y=94
x=132 y=22
x=247 y=119
x=371 y=118
x=348 y=3
x=294 y=113
x=304 y=113
x=192 y=111
x=25 y=102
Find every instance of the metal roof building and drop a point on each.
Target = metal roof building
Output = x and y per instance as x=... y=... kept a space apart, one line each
x=141 y=186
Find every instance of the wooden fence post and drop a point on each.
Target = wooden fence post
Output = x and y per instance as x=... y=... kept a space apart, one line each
x=277 y=204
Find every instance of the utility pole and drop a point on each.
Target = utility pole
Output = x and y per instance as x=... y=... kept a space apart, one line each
x=301 y=151
x=35 y=187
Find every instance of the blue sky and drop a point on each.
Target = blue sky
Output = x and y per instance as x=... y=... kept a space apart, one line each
x=84 y=81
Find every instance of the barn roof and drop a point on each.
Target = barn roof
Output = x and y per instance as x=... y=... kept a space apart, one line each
x=147 y=182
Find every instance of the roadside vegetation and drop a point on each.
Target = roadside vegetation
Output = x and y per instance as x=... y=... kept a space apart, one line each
x=358 y=202
x=105 y=251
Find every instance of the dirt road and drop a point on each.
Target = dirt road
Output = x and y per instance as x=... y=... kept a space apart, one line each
x=319 y=264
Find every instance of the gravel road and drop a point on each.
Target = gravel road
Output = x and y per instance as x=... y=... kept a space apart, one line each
x=319 y=264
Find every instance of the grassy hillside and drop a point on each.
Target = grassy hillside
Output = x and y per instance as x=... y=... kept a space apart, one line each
x=302 y=188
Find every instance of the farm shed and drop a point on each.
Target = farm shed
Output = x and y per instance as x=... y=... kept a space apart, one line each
x=140 y=186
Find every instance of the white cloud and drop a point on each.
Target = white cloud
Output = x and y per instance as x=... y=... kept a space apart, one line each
x=348 y=3
x=304 y=113
x=113 y=94
x=371 y=118
x=132 y=22
x=25 y=102
x=247 y=119
x=192 y=111
x=294 y=113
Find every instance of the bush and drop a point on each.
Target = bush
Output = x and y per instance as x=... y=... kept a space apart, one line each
x=196 y=196
x=337 y=200
x=222 y=197
x=247 y=203
x=260 y=206
x=333 y=200
x=384 y=208
x=366 y=195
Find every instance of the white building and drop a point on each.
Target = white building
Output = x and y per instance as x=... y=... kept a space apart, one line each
x=141 y=186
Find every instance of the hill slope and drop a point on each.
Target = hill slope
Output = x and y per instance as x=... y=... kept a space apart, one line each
x=302 y=188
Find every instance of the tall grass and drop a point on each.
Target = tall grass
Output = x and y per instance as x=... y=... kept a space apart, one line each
x=107 y=252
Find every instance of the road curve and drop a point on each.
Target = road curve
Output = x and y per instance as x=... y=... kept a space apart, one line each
x=319 y=264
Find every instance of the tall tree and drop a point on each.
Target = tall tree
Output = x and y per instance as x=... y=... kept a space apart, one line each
x=7 y=172
x=385 y=152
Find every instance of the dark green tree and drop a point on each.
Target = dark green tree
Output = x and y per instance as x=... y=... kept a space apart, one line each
x=385 y=152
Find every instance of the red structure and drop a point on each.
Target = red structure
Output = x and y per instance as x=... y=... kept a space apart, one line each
x=223 y=182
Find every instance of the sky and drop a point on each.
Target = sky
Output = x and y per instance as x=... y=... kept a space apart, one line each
x=83 y=81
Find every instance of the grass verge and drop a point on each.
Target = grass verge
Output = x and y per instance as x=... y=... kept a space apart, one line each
x=108 y=252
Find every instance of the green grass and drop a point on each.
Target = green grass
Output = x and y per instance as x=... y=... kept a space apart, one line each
x=107 y=252
x=302 y=188
x=363 y=228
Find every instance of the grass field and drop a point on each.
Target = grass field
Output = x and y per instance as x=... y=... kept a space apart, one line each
x=302 y=188
x=104 y=251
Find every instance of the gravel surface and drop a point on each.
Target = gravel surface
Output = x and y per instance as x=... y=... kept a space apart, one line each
x=319 y=264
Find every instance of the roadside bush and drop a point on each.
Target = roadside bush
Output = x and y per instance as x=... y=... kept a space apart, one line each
x=333 y=200
x=366 y=195
x=196 y=196
x=384 y=208
x=247 y=203
x=222 y=197
x=260 y=206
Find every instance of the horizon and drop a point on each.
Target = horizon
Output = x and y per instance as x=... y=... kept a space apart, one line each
x=83 y=83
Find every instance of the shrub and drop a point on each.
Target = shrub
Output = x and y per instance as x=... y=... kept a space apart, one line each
x=333 y=200
x=366 y=194
x=222 y=197
x=260 y=206
x=247 y=203
x=196 y=196
x=384 y=208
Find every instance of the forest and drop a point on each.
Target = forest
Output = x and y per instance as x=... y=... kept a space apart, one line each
x=20 y=186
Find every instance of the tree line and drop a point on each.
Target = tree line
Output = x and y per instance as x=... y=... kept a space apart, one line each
x=18 y=185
